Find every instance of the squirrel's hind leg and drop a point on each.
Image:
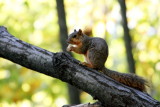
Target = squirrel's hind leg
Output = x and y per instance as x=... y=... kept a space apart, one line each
x=87 y=64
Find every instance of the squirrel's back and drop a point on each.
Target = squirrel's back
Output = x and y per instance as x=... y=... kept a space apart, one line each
x=99 y=45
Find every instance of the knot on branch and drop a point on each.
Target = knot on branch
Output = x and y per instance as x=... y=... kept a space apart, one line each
x=60 y=57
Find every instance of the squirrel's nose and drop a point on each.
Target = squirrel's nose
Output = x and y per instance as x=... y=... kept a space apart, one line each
x=69 y=40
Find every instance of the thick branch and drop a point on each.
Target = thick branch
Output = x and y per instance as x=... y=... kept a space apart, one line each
x=62 y=66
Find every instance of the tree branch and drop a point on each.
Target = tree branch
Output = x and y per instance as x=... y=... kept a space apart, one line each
x=62 y=66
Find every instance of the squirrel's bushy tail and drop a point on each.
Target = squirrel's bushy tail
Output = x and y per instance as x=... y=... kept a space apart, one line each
x=130 y=80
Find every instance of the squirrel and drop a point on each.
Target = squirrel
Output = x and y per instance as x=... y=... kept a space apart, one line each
x=96 y=53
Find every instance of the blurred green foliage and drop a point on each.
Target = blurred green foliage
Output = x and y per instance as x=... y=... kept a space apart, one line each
x=36 y=22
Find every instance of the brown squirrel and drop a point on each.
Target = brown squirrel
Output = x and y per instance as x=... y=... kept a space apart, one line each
x=95 y=51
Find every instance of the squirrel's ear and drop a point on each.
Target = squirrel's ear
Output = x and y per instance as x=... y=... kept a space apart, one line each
x=75 y=30
x=80 y=32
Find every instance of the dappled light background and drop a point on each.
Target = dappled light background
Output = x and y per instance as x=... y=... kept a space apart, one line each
x=36 y=22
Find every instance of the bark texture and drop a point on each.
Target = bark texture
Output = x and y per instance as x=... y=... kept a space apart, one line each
x=61 y=66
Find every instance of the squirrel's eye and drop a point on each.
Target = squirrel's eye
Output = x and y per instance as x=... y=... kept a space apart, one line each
x=74 y=36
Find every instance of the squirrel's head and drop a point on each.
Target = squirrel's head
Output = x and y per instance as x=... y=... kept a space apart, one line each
x=75 y=37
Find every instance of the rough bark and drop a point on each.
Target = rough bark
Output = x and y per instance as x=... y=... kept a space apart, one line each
x=60 y=65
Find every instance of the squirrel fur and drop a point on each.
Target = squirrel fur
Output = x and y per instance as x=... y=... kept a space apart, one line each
x=96 y=53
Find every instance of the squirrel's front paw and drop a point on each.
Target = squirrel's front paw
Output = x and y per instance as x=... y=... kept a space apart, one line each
x=69 y=48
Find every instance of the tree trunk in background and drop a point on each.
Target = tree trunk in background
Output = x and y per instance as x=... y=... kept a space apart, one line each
x=127 y=37
x=73 y=92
